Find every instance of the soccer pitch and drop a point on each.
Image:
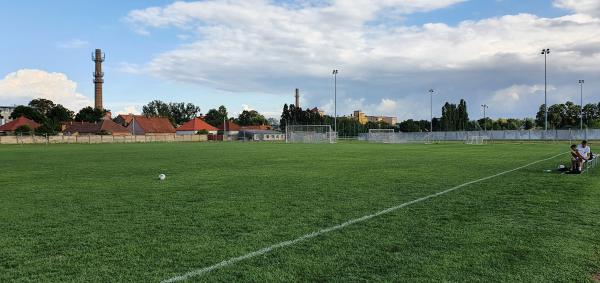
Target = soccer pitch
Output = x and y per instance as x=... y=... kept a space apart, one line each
x=99 y=213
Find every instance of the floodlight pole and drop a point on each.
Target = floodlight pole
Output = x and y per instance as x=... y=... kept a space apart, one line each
x=431 y=91
x=484 y=106
x=335 y=72
x=581 y=82
x=545 y=52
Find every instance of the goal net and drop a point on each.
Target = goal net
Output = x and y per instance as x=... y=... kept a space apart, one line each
x=476 y=140
x=310 y=134
x=382 y=136
x=430 y=139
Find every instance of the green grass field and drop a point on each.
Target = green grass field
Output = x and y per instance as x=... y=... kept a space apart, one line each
x=97 y=213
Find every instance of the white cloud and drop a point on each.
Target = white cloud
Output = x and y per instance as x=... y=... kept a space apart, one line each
x=590 y=7
x=259 y=46
x=26 y=84
x=72 y=44
x=131 y=109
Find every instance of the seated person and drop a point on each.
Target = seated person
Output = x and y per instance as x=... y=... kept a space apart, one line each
x=584 y=153
x=576 y=159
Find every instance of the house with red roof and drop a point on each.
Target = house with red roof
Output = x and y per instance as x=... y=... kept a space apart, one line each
x=105 y=126
x=124 y=119
x=257 y=128
x=141 y=125
x=193 y=126
x=11 y=126
x=230 y=127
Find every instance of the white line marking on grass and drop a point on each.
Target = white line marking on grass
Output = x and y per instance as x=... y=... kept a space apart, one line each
x=263 y=251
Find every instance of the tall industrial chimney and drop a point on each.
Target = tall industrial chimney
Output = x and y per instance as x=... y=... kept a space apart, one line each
x=98 y=58
x=297 y=98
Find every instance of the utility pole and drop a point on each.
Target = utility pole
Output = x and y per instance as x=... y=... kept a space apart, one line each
x=335 y=72
x=545 y=52
x=484 y=106
x=581 y=82
x=431 y=91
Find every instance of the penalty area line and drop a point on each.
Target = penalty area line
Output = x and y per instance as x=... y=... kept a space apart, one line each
x=231 y=261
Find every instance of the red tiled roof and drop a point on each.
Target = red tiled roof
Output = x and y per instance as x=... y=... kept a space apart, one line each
x=231 y=126
x=196 y=124
x=259 y=127
x=94 y=128
x=14 y=124
x=127 y=118
x=154 y=125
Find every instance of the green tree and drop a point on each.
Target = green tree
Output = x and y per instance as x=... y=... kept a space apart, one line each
x=90 y=114
x=50 y=127
x=23 y=130
x=177 y=112
x=571 y=115
x=215 y=117
x=251 y=118
x=181 y=112
x=463 y=115
x=285 y=117
x=29 y=113
x=590 y=113
x=44 y=106
x=556 y=113
x=156 y=108
x=449 y=117
x=59 y=113
x=540 y=118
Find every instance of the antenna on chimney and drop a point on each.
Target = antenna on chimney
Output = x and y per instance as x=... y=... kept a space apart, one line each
x=98 y=57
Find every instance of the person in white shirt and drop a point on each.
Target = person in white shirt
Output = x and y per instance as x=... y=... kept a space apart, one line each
x=585 y=152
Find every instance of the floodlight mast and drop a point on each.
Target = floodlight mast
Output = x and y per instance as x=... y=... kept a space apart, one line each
x=335 y=72
x=484 y=106
x=431 y=91
x=581 y=82
x=545 y=52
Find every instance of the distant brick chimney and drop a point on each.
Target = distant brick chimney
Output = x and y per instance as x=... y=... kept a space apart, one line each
x=98 y=58
x=297 y=98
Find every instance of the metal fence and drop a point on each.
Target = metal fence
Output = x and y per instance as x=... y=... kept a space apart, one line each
x=508 y=135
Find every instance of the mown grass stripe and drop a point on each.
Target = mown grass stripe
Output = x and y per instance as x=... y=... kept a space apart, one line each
x=231 y=261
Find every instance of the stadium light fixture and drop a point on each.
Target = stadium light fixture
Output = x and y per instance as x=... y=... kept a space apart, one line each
x=545 y=52
x=484 y=106
x=335 y=72
x=431 y=91
x=581 y=82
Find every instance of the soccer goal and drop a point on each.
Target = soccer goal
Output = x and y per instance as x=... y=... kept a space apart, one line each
x=310 y=134
x=476 y=140
x=430 y=138
x=382 y=136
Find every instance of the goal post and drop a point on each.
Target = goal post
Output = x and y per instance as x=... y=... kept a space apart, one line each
x=310 y=134
x=476 y=140
x=382 y=136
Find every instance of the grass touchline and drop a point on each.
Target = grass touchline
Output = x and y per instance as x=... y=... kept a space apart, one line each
x=266 y=250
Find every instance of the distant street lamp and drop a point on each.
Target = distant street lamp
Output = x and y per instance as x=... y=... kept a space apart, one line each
x=581 y=82
x=431 y=91
x=484 y=106
x=335 y=72
x=545 y=52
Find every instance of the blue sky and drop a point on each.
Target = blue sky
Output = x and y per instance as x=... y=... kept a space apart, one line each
x=254 y=56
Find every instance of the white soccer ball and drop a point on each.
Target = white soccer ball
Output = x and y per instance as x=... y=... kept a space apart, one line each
x=162 y=177
x=561 y=166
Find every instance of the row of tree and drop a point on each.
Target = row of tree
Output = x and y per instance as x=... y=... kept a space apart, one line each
x=49 y=115
x=568 y=115
x=454 y=117
x=179 y=113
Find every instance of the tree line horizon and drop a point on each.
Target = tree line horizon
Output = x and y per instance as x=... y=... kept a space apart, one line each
x=455 y=117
